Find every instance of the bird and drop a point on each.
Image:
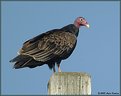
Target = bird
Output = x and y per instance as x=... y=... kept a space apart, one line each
x=50 y=47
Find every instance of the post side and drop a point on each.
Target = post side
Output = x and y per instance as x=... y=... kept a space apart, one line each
x=69 y=83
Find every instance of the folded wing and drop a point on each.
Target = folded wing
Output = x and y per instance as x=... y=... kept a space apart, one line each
x=49 y=46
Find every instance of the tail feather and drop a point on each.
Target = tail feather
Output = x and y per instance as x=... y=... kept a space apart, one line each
x=19 y=58
x=18 y=65
x=25 y=61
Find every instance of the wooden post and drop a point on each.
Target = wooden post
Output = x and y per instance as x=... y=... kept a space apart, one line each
x=69 y=83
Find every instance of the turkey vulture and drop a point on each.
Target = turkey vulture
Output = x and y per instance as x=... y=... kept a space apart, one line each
x=50 y=47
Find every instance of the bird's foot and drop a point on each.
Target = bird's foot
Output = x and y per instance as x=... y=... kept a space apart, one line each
x=59 y=70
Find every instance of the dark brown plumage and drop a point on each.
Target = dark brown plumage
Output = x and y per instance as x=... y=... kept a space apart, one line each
x=50 y=47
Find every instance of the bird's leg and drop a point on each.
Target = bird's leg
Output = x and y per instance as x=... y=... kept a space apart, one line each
x=59 y=70
x=54 y=68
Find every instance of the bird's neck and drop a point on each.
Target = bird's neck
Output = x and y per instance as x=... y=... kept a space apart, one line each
x=71 y=28
x=76 y=24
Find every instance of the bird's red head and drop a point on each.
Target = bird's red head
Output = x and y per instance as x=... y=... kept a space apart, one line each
x=80 y=21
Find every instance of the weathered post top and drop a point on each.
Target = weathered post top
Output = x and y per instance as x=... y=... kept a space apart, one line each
x=69 y=83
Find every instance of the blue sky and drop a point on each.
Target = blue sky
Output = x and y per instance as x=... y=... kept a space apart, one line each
x=97 y=51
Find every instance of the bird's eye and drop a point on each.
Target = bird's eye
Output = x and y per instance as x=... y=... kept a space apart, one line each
x=81 y=19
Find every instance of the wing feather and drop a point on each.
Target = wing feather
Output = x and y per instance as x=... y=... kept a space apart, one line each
x=49 y=46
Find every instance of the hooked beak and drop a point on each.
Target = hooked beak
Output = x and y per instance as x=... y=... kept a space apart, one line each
x=87 y=25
